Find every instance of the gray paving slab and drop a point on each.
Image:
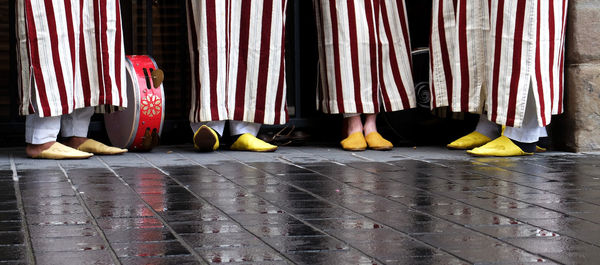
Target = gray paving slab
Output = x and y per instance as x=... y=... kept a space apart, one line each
x=300 y=205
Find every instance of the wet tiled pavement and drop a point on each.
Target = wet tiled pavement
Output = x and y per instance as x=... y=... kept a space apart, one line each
x=300 y=205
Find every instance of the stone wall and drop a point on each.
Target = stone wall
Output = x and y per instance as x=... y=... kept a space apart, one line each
x=578 y=129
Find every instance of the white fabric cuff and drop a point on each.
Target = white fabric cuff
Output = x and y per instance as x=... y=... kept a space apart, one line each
x=40 y=130
x=348 y=115
x=218 y=126
x=525 y=135
x=76 y=123
x=487 y=128
x=241 y=127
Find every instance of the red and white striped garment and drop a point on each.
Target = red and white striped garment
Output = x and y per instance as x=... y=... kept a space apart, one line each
x=364 y=56
x=71 y=55
x=237 y=59
x=486 y=54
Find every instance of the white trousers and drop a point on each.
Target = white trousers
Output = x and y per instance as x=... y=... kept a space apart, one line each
x=487 y=128
x=42 y=130
x=529 y=132
x=235 y=127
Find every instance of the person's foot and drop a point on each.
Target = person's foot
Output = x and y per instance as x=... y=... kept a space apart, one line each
x=34 y=150
x=352 y=125
x=370 y=125
x=54 y=150
x=539 y=149
x=74 y=141
x=206 y=139
x=526 y=147
x=376 y=142
x=354 y=142
x=98 y=148
x=249 y=142
x=501 y=146
x=92 y=146
x=469 y=141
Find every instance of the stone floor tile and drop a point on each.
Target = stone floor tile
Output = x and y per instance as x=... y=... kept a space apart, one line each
x=138 y=235
x=294 y=244
x=150 y=249
x=256 y=255
x=216 y=241
x=303 y=205
x=13 y=253
x=332 y=257
x=168 y=260
x=78 y=257
x=68 y=244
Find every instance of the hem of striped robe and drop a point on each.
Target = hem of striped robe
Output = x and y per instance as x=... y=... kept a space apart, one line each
x=71 y=55
x=485 y=68
x=237 y=60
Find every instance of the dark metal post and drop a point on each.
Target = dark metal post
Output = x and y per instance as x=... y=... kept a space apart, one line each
x=185 y=75
x=12 y=79
x=297 y=87
x=127 y=24
x=149 y=27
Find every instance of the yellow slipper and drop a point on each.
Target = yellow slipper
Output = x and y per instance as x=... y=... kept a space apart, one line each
x=469 y=141
x=376 y=142
x=501 y=146
x=93 y=146
x=206 y=139
x=354 y=142
x=249 y=142
x=540 y=149
x=61 y=151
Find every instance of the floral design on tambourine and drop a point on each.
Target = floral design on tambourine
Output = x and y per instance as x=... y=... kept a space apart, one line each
x=151 y=105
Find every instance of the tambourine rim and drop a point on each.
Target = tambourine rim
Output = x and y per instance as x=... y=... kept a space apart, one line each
x=136 y=90
x=132 y=107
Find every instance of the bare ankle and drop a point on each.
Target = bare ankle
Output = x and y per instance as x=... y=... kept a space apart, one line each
x=367 y=131
x=32 y=150
x=75 y=141
x=352 y=124
x=370 y=124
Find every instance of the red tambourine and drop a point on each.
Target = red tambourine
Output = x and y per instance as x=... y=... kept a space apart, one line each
x=139 y=126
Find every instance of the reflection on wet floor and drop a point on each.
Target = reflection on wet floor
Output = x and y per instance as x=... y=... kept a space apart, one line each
x=300 y=206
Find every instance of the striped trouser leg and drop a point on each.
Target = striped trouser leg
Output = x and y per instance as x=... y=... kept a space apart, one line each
x=70 y=55
x=458 y=50
x=364 y=56
x=237 y=58
x=527 y=49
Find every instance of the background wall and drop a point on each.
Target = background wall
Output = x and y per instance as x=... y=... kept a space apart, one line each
x=579 y=128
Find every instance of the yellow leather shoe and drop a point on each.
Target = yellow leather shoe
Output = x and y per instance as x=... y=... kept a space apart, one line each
x=354 y=142
x=540 y=149
x=469 y=141
x=61 y=151
x=206 y=139
x=249 y=142
x=98 y=148
x=501 y=146
x=376 y=142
